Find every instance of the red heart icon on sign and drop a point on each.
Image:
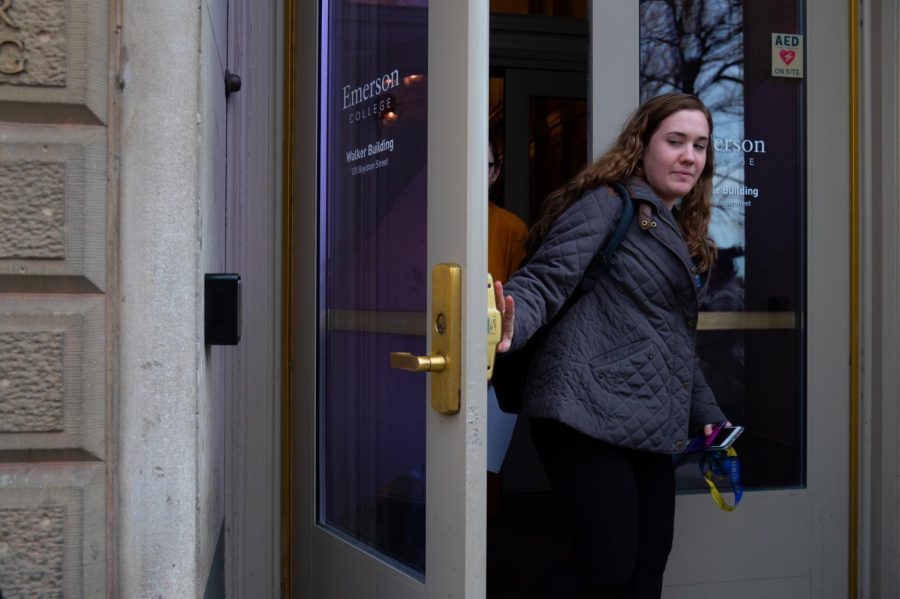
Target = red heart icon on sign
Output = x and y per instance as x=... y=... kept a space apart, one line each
x=788 y=56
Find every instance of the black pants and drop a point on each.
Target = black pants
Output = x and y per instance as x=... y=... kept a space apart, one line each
x=619 y=505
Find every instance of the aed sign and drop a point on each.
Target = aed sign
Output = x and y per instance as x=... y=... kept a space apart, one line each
x=787 y=55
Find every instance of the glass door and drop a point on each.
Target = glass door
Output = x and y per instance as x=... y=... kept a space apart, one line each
x=546 y=133
x=774 y=333
x=389 y=301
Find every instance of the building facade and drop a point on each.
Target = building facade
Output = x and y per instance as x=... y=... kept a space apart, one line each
x=333 y=155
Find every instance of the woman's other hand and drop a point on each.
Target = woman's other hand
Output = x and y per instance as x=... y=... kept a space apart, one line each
x=507 y=308
x=707 y=428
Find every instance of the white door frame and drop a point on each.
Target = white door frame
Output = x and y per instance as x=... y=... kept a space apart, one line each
x=879 y=293
x=253 y=249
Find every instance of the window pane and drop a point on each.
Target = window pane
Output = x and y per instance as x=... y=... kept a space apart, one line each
x=557 y=145
x=372 y=276
x=548 y=8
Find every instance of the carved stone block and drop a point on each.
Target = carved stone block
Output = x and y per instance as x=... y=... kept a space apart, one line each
x=31 y=381
x=54 y=52
x=52 y=530
x=52 y=374
x=33 y=42
x=53 y=197
x=31 y=551
x=32 y=209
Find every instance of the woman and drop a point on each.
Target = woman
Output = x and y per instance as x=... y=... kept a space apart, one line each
x=615 y=388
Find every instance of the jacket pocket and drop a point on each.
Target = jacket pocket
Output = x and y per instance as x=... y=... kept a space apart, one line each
x=627 y=368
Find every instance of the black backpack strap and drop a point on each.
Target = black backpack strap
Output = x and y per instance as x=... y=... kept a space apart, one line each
x=603 y=259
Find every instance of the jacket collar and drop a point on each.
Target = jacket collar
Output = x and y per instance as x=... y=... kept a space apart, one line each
x=641 y=190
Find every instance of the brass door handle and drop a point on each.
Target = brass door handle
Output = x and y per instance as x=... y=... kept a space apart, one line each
x=406 y=361
x=446 y=341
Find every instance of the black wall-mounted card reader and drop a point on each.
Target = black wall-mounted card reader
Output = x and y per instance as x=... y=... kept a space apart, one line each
x=222 y=309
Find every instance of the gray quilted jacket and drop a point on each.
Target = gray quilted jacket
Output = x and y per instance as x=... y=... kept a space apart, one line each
x=619 y=365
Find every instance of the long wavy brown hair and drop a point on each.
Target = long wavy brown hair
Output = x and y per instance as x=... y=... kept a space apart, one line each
x=624 y=159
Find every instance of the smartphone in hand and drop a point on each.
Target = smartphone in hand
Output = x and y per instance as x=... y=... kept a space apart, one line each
x=724 y=436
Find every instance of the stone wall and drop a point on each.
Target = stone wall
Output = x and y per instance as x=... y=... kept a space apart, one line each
x=55 y=190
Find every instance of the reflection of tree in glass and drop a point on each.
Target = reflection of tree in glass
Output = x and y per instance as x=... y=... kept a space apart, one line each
x=697 y=47
x=694 y=46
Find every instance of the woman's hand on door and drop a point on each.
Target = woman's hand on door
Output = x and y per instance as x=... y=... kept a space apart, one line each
x=507 y=308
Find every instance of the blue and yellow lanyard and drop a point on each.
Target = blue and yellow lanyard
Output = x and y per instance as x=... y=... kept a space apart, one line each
x=722 y=465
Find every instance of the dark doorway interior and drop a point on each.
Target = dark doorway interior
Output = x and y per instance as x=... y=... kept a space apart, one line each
x=539 y=126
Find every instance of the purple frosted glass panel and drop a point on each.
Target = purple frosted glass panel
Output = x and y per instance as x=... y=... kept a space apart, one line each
x=755 y=358
x=372 y=276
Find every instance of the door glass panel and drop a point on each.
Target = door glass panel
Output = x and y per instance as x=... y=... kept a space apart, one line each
x=547 y=8
x=751 y=343
x=557 y=145
x=372 y=276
